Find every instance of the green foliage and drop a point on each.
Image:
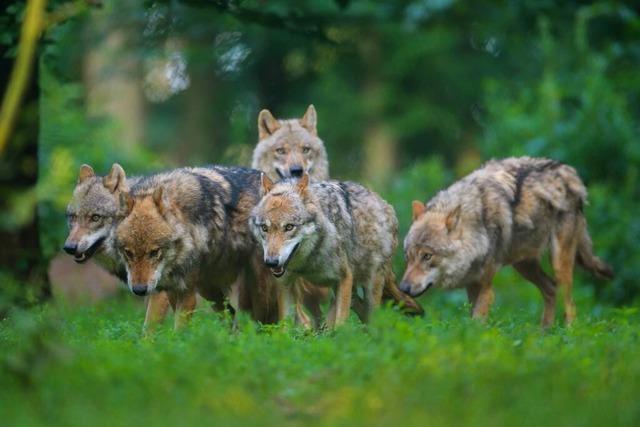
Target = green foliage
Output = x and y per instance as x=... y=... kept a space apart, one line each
x=440 y=370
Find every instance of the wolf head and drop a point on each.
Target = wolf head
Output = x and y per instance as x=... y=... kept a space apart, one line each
x=91 y=213
x=434 y=250
x=288 y=148
x=146 y=241
x=282 y=223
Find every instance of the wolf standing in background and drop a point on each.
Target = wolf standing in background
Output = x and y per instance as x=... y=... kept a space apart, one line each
x=92 y=219
x=289 y=148
x=187 y=231
x=332 y=233
x=506 y=213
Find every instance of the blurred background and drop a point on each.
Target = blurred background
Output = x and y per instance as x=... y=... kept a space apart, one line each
x=411 y=95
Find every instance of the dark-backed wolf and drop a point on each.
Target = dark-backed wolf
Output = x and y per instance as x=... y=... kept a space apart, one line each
x=337 y=234
x=187 y=231
x=506 y=213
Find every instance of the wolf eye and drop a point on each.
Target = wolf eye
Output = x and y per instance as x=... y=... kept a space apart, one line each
x=426 y=257
x=95 y=218
x=264 y=228
x=128 y=253
x=154 y=253
x=280 y=150
x=289 y=227
x=305 y=150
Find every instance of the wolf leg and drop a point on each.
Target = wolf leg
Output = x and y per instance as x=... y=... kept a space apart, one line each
x=185 y=304
x=342 y=300
x=373 y=295
x=485 y=296
x=157 y=307
x=532 y=271
x=473 y=290
x=563 y=254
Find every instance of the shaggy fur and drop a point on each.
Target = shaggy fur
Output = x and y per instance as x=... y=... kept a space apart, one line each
x=505 y=213
x=338 y=234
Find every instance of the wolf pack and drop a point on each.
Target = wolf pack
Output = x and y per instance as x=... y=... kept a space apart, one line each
x=281 y=240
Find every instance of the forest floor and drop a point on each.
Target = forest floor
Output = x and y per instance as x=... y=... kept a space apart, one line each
x=78 y=366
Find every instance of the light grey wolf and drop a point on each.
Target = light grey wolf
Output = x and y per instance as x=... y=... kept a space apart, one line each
x=186 y=231
x=337 y=234
x=287 y=148
x=506 y=213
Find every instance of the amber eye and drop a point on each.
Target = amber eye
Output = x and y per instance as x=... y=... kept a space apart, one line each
x=154 y=253
x=280 y=150
x=289 y=227
x=95 y=218
x=426 y=257
x=128 y=253
x=306 y=150
x=264 y=228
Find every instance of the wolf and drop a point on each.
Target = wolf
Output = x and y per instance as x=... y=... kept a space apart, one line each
x=508 y=212
x=288 y=148
x=92 y=217
x=338 y=234
x=186 y=231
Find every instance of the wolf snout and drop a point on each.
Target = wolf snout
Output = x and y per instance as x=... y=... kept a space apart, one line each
x=405 y=287
x=296 y=171
x=140 y=290
x=70 y=248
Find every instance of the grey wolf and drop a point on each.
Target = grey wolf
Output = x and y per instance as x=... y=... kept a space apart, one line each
x=287 y=148
x=506 y=213
x=186 y=231
x=338 y=234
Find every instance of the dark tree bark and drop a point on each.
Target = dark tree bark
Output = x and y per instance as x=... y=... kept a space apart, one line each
x=20 y=249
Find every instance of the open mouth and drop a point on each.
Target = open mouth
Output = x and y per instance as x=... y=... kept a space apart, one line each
x=279 y=271
x=84 y=256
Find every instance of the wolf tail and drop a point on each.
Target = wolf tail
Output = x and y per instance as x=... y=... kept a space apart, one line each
x=408 y=305
x=589 y=261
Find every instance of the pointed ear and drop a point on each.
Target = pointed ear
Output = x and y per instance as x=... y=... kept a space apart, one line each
x=310 y=120
x=303 y=183
x=267 y=124
x=159 y=200
x=126 y=203
x=86 y=172
x=453 y=218
x=265 y=184
x=417 y=209
x=116 y=179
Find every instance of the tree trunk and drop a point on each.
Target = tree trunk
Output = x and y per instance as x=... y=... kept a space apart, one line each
x=21 y=257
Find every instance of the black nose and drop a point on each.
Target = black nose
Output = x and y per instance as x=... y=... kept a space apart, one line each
x=140 y=290
x=271 y=262
x=70 y=248
x=405 y=287
x=296 y=171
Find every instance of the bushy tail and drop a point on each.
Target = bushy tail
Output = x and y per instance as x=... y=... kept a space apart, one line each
x=408 y=305
x=589 y=261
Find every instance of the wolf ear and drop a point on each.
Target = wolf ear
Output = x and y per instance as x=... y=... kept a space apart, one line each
x=267 y=124
x=453 y=218
x=310 y=120
x=86 y=172
x=417 y=209
x=159 y=200
x=126 y=203
x=303 y=183
x=265 y=184
x=116 y=178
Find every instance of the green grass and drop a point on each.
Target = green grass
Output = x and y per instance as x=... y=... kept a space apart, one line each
x=91 y=366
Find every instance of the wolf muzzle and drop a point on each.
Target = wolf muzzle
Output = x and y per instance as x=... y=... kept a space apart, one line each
x=140 y=290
